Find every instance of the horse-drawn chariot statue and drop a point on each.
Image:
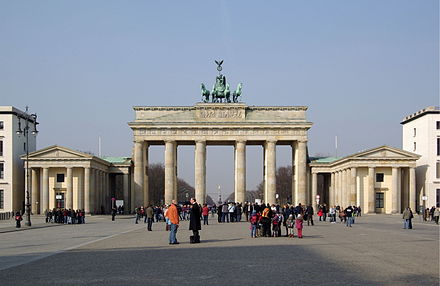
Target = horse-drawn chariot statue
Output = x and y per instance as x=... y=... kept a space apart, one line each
x=220 y=91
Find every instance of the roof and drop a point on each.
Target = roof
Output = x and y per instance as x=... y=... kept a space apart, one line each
x=117 y=160
x=420 y=113
x=326 y=159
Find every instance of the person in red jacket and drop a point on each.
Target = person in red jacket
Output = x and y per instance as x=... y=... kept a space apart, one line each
x=205 y=214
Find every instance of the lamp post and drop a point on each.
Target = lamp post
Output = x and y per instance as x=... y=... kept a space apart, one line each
x=25 y=131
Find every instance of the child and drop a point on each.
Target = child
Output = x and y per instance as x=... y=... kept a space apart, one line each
x=18 y=220
x=275 y=225
x=254 y=223
x=291 y=225
x=299 y=225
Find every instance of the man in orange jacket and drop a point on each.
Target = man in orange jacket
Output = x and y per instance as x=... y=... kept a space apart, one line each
x=173 y=216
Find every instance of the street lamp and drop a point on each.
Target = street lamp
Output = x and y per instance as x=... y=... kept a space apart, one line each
x=25 y=131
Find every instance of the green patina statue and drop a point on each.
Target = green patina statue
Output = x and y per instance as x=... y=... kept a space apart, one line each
x=220 y=91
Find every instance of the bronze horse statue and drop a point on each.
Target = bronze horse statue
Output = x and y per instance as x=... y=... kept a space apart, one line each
x=205 y=93
x=220 y=91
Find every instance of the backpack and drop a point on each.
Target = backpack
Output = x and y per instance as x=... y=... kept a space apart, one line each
x=276 y=220
x=254 y=219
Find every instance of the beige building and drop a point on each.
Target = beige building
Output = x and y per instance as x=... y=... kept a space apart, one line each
x=380 y=180
x=12 y=147
x=421 y=135
x=65 y=178
x=234 y=124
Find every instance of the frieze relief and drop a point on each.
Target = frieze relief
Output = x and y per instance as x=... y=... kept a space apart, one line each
x=219 y=132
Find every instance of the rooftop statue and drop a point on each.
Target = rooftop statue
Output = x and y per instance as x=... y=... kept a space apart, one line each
x=220 y=91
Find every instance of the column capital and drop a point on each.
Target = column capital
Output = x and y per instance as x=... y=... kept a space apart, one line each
x=168 y=141
x=198 y=141
x=240 y=141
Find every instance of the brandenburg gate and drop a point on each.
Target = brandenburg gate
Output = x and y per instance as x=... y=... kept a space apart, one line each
x=220 y=122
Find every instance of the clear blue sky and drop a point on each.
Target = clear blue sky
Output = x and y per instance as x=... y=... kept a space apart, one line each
x=360 y=66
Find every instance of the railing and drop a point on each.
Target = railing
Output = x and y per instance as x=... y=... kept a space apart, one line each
x=6 y=216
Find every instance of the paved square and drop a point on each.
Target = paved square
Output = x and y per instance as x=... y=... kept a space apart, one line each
x=375 y=251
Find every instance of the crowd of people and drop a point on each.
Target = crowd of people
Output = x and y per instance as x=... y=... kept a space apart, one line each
x=65 y=216
x=431 y=214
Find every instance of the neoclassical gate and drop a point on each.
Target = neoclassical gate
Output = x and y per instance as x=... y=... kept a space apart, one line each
x=233 y=124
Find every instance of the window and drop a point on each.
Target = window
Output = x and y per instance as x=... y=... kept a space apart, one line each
x=60 y=178
x=437 y=125
x=437 y=200
x=379 y=200
x=438 y=146
x=2 y=199
x=2 y=125
x=415 y=132
x=2 y=170
x=1 y=148
x=438 y=170
x=415 y=146
x=24 y=146
x=379 y=177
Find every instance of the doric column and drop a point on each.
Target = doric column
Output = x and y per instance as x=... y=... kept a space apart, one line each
x=87 y=190
x=69 y=188
x=270 y=172
x=337 y=190
x=371 y=192
x=301 y=165
x=146 y=191
x=294 y=173
x=35 y=191
x=126 y=180
x=344 y=188
x=412 y=189
x=138 y=174
x=332 y=195
x=240 y=171
x=80 y=192
x=353 y=186
x=394 y=190
x=96 y=191
x=314 y=189
x=200 y=171
x=45 y=193
x=170 y=172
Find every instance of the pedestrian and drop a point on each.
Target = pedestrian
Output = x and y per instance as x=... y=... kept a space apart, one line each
x=254 y=218
x=406 y=216
x=436 y=214
x=18 y=220
x=411 y=216
x=173 y=215
x=194 y=221
x=349 y=215
x=113 y=213
x=309 y=214
x=290 y=222
x=138 y=215
x=299 y=225
x=205 y=213
x=266 y=218
x=150 y=215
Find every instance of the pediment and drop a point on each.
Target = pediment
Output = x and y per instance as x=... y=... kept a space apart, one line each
x=385 y=152
x=55 y=152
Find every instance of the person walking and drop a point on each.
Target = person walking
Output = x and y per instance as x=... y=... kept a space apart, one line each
x=349 y=215
x=113 y=213
x=436 y=214
x=150 y=217
x=205 y=213
x=194 y=221
x=299 y=225
x=290 y=222
x=254 y=219
x=406 y=217
x=173 y=215
x=18 y=219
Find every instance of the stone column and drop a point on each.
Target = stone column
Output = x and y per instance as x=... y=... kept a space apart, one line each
x=353 y=186
x=87 y=189
x=314 y=189
x=45 y=193
x=412 y=189
x=170 y=172
x=146 y=191
x=240 y=171
x=332 y=195
x=371 y=194
x=69 y=188
x=200 y=171
x=35 y=191
x=270 y=172
x=301 y=165
x=138 y=174
x=394 y=190
x=126 y=180
x=96 y=191
x=80 y=192
x=344 y=188
x=294 y=173
x=337 y=190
